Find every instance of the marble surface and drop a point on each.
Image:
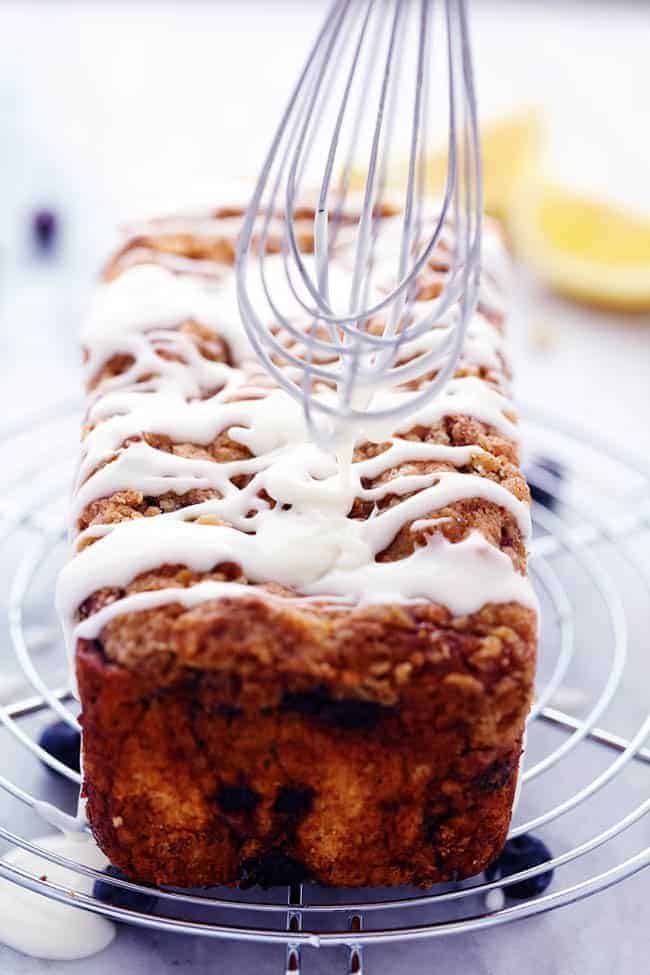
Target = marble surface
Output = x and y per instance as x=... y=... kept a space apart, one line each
x=109 y=109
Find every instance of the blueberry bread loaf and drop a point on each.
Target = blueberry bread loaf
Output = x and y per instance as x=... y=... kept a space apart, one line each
x=282 y=675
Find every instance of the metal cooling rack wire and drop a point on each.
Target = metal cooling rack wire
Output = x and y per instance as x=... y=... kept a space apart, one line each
x=291 y=917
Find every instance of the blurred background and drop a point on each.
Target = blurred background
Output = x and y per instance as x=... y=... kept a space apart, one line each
x=111 y=110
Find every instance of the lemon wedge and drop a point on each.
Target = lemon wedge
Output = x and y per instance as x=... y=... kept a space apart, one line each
x=584 y=248
x=510 y=148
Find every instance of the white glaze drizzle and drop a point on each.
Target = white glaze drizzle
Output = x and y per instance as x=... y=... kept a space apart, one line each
x=409 y=580
x=306 y=541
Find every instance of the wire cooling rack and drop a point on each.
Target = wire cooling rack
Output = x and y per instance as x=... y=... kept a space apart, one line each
x=586 y=771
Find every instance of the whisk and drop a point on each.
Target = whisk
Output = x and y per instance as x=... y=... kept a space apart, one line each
x=346 y=345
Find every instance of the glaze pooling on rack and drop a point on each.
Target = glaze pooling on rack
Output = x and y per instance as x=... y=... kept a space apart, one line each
x=281 y=508
x=43 y=928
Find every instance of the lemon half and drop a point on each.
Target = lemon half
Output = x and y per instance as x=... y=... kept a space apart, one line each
x=584 y=248
x=510 y=149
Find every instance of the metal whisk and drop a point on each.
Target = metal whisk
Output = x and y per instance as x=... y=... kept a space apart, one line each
x=344 y=343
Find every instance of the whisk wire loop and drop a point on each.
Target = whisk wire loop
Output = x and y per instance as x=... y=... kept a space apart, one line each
x=328 y=289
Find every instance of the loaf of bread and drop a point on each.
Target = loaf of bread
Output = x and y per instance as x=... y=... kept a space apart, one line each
x=285 y=674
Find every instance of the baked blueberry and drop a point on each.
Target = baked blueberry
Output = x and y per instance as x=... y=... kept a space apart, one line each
x=348 y=713
x=63 y=742
x=131 y=900
x=522 y=853
x=237 y=798
x=273 y=869
x=294 y=801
